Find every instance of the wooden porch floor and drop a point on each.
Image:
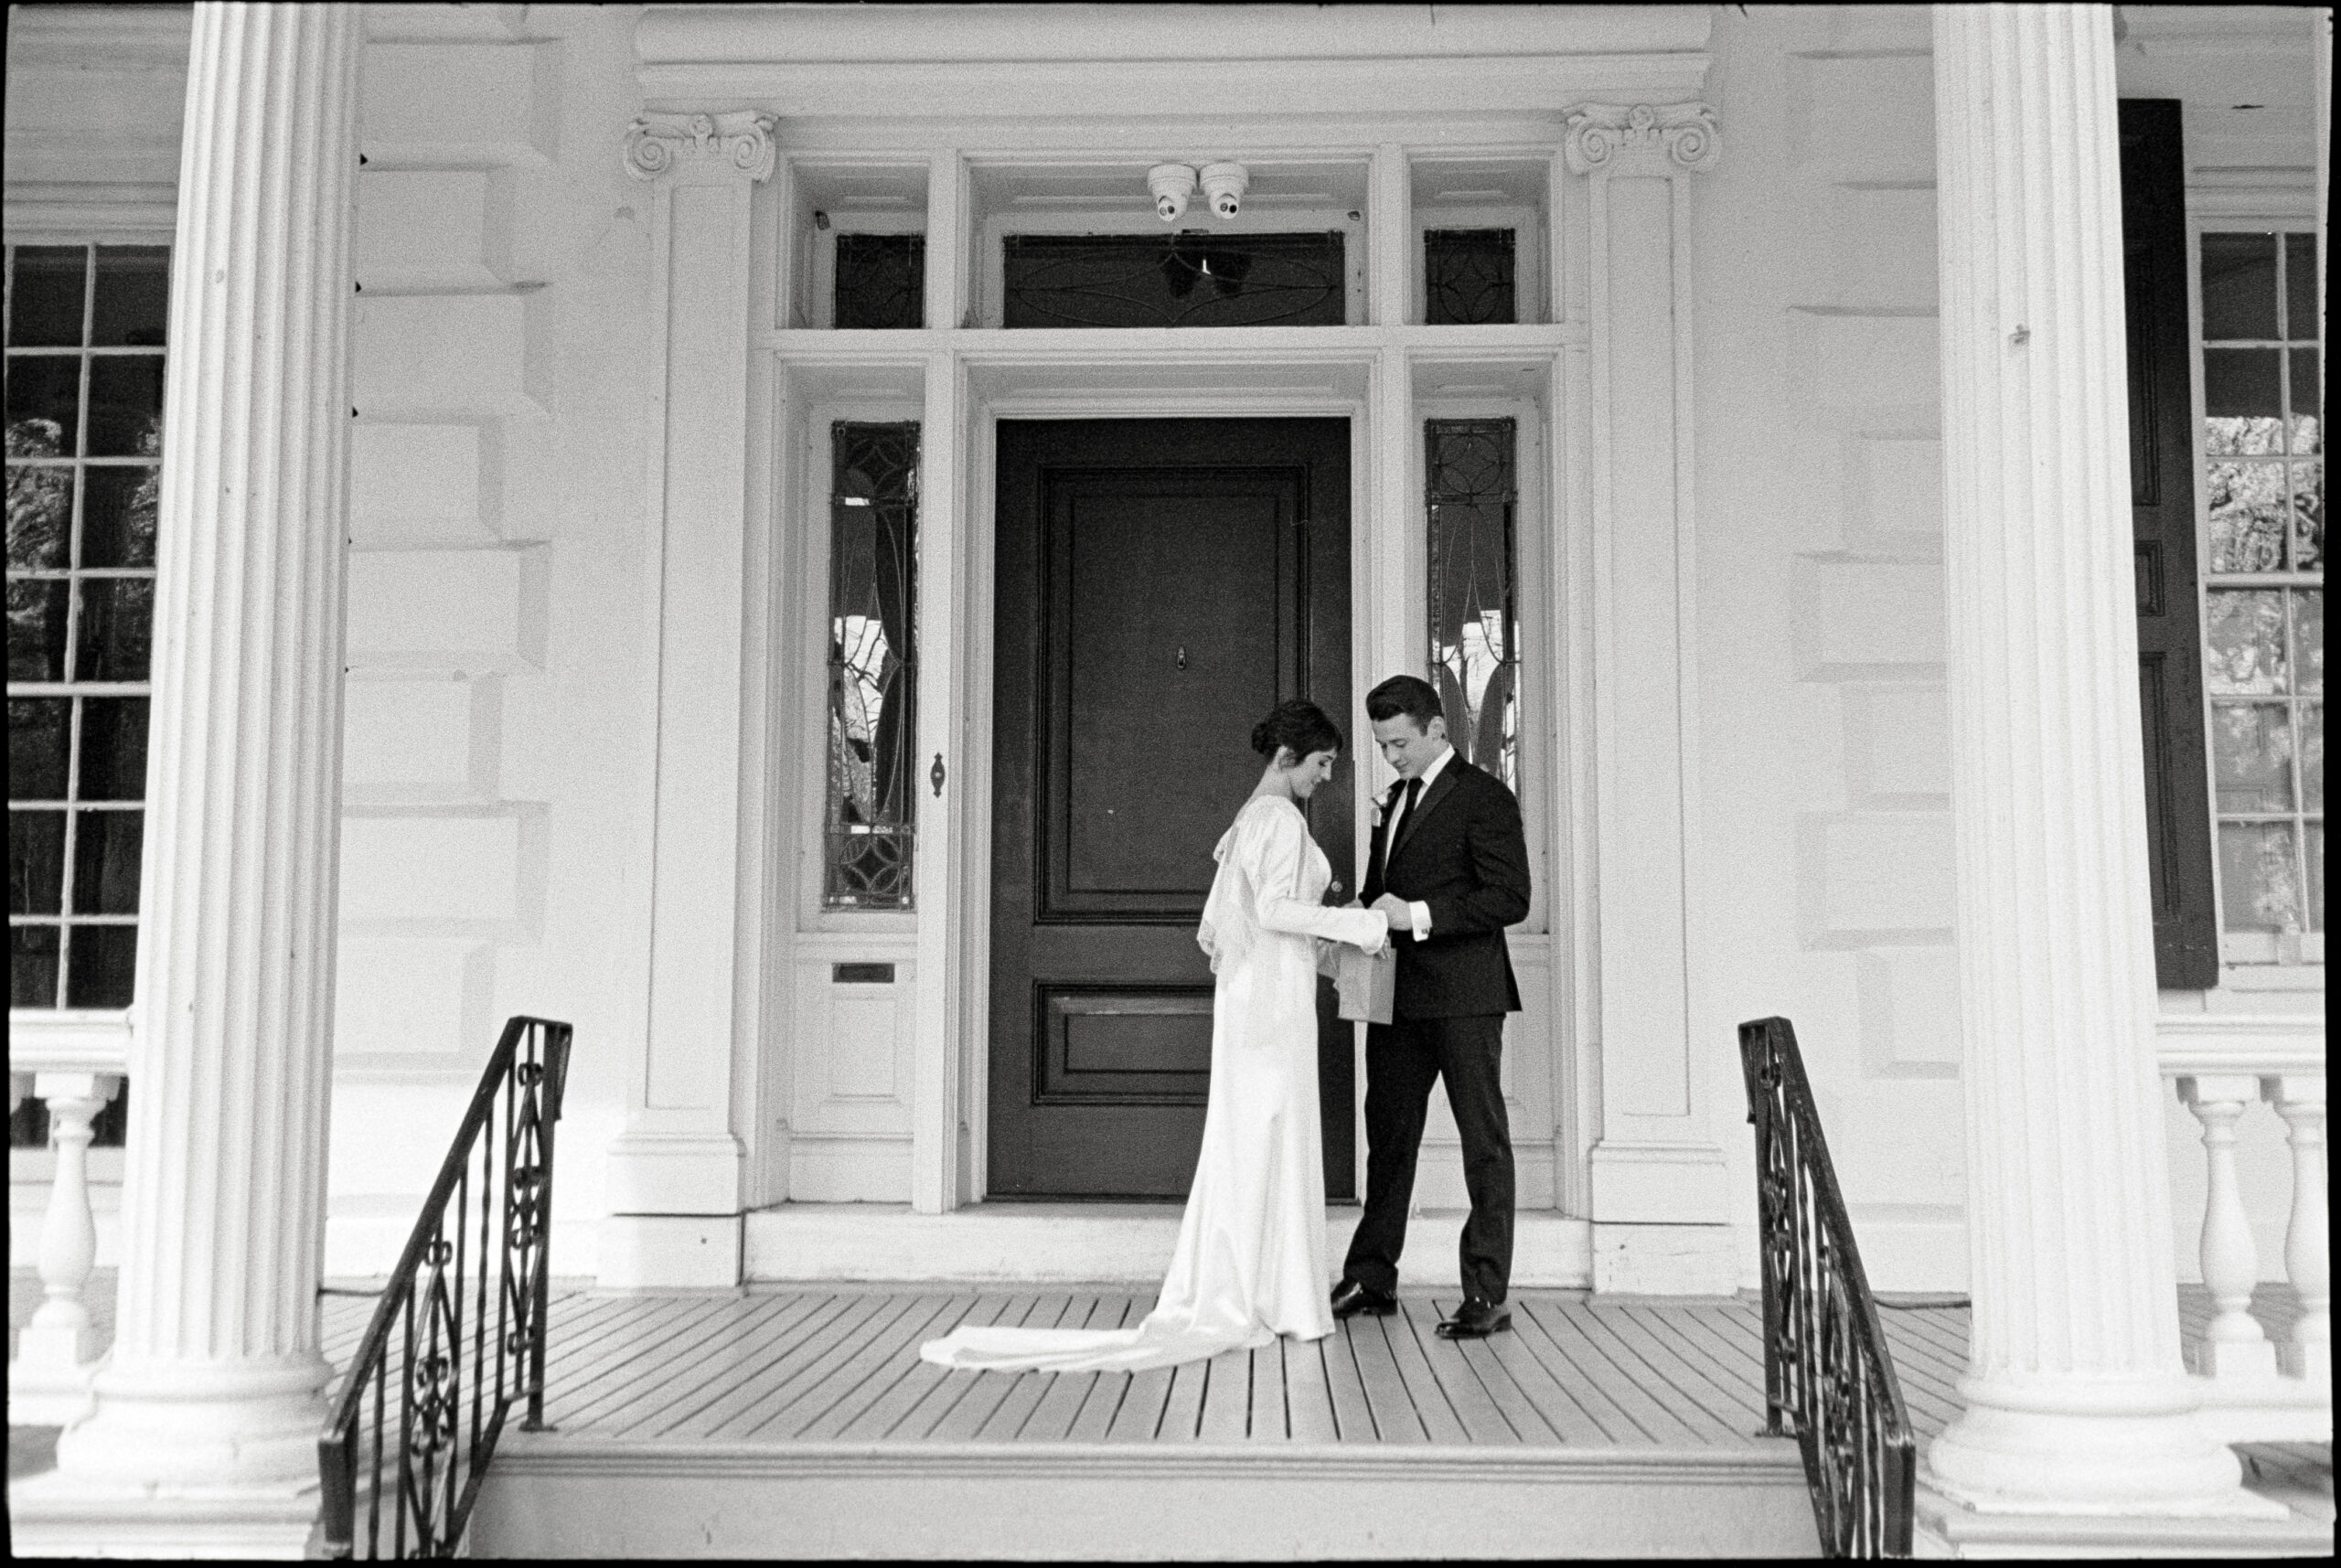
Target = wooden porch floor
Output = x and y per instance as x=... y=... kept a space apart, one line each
x=840 y=1365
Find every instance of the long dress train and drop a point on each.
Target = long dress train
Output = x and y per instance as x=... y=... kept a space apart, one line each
x=1250 y=1260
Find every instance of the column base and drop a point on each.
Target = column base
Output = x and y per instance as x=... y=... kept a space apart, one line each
x=1946 y=1527
x=57 y=1516
x=199 y=1426
x=674 y=1173
x=2133 y=1449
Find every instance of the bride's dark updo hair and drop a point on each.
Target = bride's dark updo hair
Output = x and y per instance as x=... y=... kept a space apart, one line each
x=1300 y=724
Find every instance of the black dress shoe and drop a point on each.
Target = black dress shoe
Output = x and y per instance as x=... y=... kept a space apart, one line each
x=1350 y=1298
x=1476 y=1319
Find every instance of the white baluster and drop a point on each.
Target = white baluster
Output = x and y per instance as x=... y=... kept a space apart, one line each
x=2235 y=1345
x=2307 y=1351
x=50 y=1380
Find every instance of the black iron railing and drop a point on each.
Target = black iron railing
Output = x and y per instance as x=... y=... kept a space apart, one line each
x=414 y=1459
x=1826 y=1371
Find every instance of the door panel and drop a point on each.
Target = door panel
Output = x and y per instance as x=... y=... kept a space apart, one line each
x=1161 y=584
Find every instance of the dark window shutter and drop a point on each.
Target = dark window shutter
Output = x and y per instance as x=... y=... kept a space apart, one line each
x=2162 y=501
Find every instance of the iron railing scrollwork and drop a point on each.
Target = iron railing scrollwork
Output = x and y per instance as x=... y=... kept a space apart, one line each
x=1827 y=1374
x=425 y=1400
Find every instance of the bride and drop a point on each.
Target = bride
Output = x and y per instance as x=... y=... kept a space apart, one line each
x=1250 y=1262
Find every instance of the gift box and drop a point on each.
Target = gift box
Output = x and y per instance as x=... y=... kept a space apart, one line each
x=1367 y=985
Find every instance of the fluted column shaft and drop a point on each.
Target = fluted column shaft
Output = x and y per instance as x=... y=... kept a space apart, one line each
x=2076 y=1395
x=216 y=1372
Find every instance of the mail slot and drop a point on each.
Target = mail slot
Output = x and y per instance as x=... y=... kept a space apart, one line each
x=861 y=973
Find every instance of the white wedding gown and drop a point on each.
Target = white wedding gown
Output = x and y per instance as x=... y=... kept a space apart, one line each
x=1250 y=1262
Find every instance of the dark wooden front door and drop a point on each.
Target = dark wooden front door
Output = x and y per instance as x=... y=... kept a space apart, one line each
x=1163 y=583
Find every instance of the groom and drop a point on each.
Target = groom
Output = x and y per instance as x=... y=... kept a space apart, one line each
x=1451 y=869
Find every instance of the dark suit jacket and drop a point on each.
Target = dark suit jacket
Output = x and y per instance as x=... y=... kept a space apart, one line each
x=1461 y=852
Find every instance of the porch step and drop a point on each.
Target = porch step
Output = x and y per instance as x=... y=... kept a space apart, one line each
x=547 y=1496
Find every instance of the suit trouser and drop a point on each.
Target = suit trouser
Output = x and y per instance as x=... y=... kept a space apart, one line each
x=1402 y=1060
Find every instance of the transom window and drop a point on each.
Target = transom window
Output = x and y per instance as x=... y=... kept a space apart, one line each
x=84 y=351
x=2262 y=378
x=1194 y=278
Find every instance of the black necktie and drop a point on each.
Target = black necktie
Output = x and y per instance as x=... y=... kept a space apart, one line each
x=1406 y=812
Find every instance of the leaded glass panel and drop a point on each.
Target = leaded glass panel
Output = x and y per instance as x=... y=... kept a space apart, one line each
x=1471 y=503
x=1195 y=278
x=2264 y=606
x=873 y=674
x=85 y=366
x=1468 y=277
x=880 y=280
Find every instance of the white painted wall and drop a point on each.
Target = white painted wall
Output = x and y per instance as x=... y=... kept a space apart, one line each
x=501 y=713
x=500 y=719
x=1826 y=768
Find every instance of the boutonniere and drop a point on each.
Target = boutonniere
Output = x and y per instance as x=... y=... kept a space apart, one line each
x=1380 y=811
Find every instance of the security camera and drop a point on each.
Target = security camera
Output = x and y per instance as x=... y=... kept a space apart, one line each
x=1223 y=186
x=1172 y=184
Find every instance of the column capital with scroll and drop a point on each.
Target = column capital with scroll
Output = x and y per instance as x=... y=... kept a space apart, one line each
x=740 y=140
x=1645 y=138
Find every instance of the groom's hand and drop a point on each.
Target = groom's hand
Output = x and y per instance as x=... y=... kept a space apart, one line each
x=1401 y=918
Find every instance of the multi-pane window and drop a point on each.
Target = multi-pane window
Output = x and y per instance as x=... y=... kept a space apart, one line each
x=84 y=350
x=1471 y=503
x=873 y=667
x=2264 y=600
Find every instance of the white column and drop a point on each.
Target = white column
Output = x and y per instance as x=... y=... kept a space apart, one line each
x=2076 y=1398
x=674 y=1174
x=1660 y=1204
x=214 y=1384
x=48 y=1381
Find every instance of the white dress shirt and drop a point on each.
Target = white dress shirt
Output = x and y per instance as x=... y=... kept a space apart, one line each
x=1417 y=912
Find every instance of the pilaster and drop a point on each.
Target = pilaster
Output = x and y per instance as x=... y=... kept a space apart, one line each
x=2076 y=1399
x=675 y=1173
x=203 y=1437
x=1659 y=1200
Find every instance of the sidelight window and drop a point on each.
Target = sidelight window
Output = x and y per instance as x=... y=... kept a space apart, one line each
x=84 y=352
x=873 y=676
x=2264 y=601
x=1472 y=504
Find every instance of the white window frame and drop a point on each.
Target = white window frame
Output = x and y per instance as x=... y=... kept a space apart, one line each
x=2247 y=960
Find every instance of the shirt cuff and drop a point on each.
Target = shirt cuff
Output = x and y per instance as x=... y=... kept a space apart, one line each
x=1418 y=915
